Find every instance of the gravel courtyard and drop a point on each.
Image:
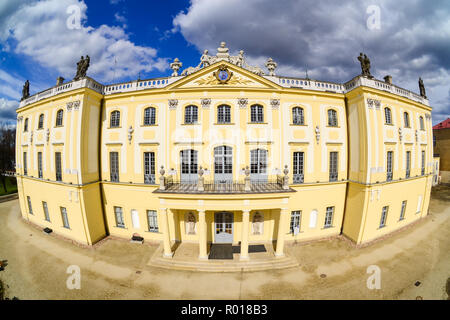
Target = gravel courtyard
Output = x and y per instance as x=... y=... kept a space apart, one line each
x=330 y=269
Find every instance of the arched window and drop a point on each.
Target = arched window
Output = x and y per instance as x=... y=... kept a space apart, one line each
x=257 y=113
x=388 y=115
x=115 y=119
x=332 y=118
x=41 y=121
x=406 y=118
x=59 y=118
x=149 y=116
x=224 y=114
x=422 y=125
x=191 y=114
x=25 y=127
x=297 y=116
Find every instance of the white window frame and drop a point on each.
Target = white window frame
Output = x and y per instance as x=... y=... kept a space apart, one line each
x=65 y=218
x=46 y=213
x=295 y=222
x=152 y=221
x=383 y=217
x=403 y=210
x=329 y=217
x=118 y=215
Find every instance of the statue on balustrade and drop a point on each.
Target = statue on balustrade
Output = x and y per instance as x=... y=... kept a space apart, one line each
x=422 y=88
x=25 y=90
x=365 y=65
x=82 y=67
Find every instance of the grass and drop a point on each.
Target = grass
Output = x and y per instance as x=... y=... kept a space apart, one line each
x=11 y=186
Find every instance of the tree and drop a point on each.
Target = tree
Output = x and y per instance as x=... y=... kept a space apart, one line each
x=7 y=151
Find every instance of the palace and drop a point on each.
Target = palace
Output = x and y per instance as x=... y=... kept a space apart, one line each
x=224 y=153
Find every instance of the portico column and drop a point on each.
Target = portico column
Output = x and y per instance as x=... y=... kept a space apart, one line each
x=202 y=238
x=244 y=240
x=165 y=230
x=281 y=233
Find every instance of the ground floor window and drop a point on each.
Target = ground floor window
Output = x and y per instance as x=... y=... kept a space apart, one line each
x=383 y=216
x=402 y=212
x=30 y=208
x=65 y=219
x=119 y=217
x=329 y=217
x=295 y=222
x=47 y=215
x=152 y=218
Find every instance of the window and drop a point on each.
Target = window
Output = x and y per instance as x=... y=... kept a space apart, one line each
x=46 y=214
x=41 y=121
x=64 y=217
x=332 y=118
x=152 y=219
x=191 y=114
x=25 y=127
x=329 y=217
x=383 y=216
x=408 y=163
x=39 y=165
x=333 y=166
x=25 y=169
x=297 y=116
x=58 y=166
x=422 y=125
x=257 y=113
x=387 y=115
x=406 y=119
x=30 y=208
x=298 y=166
x=114 y=166
x=389 y=173
x=189 y=165
x=149 y=116
x=119 y=217
x=419 y=204
x=434 y=141
x=59 y=118
x=295 y=222
x=149 y=167
x=258 y=161
x=224 y=114
x=422 y=172
x=402 y=212
x=115 y=119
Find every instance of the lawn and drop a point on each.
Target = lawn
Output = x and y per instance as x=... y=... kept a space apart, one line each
x=11 y=186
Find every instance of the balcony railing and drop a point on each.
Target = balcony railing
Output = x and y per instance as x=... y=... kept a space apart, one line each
x=255 y=186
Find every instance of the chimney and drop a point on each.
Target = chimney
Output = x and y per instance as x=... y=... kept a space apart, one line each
x=388 y=79
x=59 y=81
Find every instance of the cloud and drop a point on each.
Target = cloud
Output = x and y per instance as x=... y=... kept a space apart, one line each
x=326 y=37
x=121 y=19
x=8 y=110
x=40 y=31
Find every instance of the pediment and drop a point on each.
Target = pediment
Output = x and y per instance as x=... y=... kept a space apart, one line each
x=239 y=77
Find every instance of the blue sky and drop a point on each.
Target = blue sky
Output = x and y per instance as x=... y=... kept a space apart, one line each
x=412 y=39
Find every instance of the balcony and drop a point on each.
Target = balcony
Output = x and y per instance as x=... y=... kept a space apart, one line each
x=169 y=184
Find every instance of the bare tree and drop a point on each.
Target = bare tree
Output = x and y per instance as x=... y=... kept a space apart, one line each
x=7 y=151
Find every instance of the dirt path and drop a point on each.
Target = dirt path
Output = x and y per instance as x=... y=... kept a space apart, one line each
x=37 y=266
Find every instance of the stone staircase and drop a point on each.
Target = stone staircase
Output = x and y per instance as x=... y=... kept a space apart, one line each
x=258 y=263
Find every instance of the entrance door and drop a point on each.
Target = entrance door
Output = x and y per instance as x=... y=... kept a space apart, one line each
x=189 y=166
x=224 y=227
x=258 y=165
x=223 y=164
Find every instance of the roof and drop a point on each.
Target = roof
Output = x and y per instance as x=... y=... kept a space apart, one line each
x=443 y=125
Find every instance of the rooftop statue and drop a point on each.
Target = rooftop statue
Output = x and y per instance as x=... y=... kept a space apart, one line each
x=25 y=90
x=365 y=65
x=222 y=55
x=82 y=67
x=422 y=89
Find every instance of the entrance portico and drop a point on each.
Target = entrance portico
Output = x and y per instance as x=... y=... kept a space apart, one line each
x=205 y=221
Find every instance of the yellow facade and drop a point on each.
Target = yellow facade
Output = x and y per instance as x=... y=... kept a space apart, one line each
x=337 y=180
